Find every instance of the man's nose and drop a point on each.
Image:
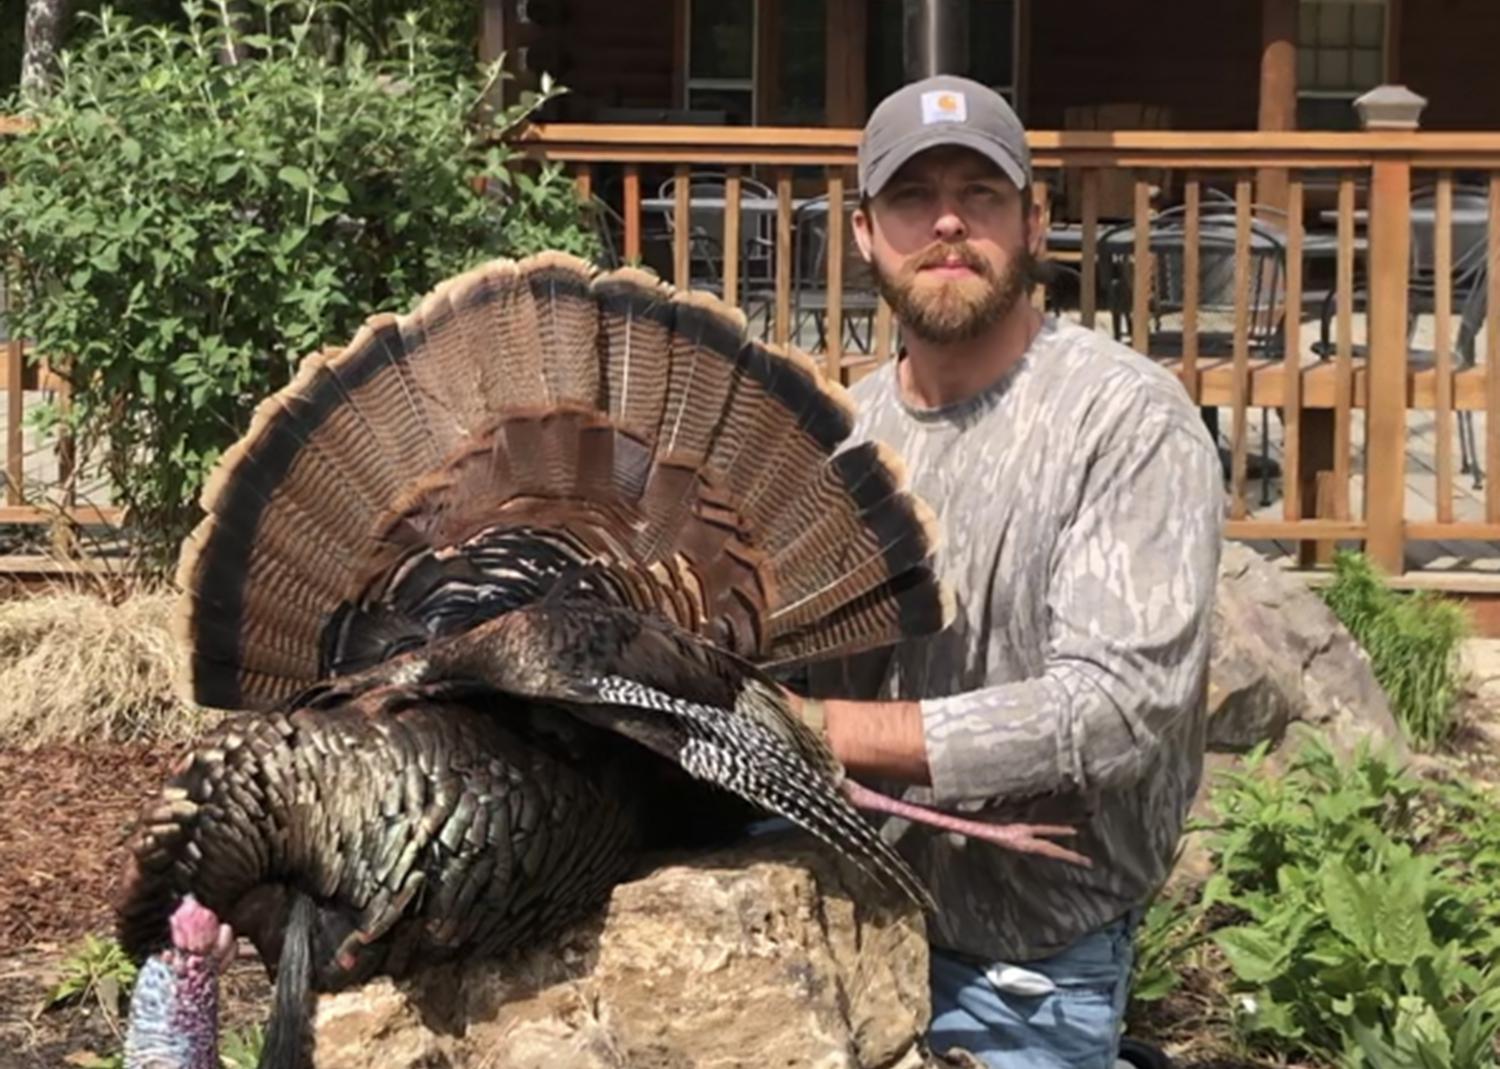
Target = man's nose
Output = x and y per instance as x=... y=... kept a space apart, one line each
x=949 y=225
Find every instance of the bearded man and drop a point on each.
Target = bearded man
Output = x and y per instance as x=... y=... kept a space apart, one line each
x=1081 y=505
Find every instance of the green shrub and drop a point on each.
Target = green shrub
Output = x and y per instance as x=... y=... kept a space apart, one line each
x=1412 y=641
x=190 y=229
x=1362 y=914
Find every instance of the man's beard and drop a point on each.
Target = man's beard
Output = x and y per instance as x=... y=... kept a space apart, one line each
x=944 y=311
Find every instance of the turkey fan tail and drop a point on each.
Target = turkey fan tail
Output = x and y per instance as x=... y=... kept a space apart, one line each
x=620 y=425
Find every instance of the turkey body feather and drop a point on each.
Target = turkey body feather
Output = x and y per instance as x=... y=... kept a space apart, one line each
x=495 y=589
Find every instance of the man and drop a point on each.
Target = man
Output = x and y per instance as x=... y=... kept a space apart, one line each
x=1080 y=500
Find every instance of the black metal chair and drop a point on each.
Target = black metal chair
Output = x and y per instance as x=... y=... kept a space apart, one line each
x=1217 y=235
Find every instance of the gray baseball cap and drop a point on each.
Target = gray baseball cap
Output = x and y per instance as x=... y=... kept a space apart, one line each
x=944 y=110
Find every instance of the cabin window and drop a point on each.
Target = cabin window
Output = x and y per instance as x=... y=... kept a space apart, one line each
x=1340 y=56
x=801 y=64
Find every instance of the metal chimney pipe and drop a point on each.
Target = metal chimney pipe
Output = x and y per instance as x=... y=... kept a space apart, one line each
x=935 y=38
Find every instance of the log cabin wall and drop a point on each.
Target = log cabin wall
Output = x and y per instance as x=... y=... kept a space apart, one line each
x=1200 y=61
x=1446 y=51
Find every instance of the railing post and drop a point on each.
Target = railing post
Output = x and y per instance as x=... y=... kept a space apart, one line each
x=1385 y=416
x=15 y=414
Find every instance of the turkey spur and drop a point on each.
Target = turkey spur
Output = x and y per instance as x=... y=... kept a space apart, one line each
x=495 y=592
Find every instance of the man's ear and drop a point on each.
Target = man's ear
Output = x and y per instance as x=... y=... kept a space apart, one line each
x=862 y=236
x=1036 y=236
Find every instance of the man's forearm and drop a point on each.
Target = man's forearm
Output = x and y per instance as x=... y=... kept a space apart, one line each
x=881 y=740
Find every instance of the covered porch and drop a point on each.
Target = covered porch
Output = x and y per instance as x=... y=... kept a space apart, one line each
x=1107 y=64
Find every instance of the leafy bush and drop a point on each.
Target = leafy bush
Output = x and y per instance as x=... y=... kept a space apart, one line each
x=1412 y=641
x=1365 y=921
x=189 y=229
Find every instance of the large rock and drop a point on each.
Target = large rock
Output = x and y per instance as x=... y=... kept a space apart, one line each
x=1281 y=657
x=1282 y=668
x=770 y=954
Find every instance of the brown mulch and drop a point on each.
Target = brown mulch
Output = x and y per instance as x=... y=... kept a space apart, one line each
x=67 y=811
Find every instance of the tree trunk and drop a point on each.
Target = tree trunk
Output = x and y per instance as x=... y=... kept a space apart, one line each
x=46 y=20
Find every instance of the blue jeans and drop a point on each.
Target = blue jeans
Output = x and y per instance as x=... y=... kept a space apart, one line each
x=1075 y=1026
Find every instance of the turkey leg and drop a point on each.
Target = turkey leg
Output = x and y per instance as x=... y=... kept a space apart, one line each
x=1021 y=838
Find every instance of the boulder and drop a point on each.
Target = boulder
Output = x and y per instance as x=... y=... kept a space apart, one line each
x=1283 y=668
x=773 y=953
x=1281 y=657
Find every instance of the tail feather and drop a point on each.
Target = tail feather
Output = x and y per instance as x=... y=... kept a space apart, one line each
x=636 y=317
x=567 y=325
x=377 y=378
x=288 y=1043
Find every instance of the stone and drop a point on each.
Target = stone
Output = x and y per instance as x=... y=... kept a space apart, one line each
x=772 y=953
x=1282 y=669
x=1280 y=657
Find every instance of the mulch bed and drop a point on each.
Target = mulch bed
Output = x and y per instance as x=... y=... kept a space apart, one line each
x=67 y=811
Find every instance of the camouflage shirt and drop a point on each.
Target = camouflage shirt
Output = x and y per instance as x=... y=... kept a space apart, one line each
x=1081 y=507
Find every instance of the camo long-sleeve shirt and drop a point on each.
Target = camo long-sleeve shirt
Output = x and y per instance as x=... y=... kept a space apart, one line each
x=1081 y=509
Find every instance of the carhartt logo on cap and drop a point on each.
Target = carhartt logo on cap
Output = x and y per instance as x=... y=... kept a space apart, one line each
x=944 y=105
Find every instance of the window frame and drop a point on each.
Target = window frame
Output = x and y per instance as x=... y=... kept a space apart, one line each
x=1349 y=94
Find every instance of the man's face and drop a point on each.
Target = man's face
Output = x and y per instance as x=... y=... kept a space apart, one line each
x=951 y=243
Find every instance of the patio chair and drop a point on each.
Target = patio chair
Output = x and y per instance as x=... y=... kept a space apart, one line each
x=1469 y=277
x=810 y=278
x=757 y=259
x=1216 y=296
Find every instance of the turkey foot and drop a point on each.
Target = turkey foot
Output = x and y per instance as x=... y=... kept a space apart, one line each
x=1022 y=838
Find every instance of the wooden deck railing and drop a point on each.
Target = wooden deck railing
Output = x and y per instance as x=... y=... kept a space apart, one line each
x=1328 y=459
x=1368 y=177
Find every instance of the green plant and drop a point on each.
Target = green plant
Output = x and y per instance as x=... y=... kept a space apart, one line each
x=98 y=972
x=189 y=229
x=1412 y=641
x=1459 y=1038
x=240 y=1049
x=1172 y=926
x=1363 y=909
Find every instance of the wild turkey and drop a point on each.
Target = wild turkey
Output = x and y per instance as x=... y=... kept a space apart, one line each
x=499 y=585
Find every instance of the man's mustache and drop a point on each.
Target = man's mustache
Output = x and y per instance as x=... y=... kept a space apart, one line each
x=943 y=252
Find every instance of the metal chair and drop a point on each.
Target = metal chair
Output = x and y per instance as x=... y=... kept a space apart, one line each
x=706 y=237
x=1468 y=276
x=1217 y=235
x=810 y=296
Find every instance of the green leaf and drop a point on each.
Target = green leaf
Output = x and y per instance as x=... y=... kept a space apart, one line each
x=1401 y=913
x=1254 y=955
x=1350 y=909
x=295 y=177
x=130 y=150
x=1217 y=889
